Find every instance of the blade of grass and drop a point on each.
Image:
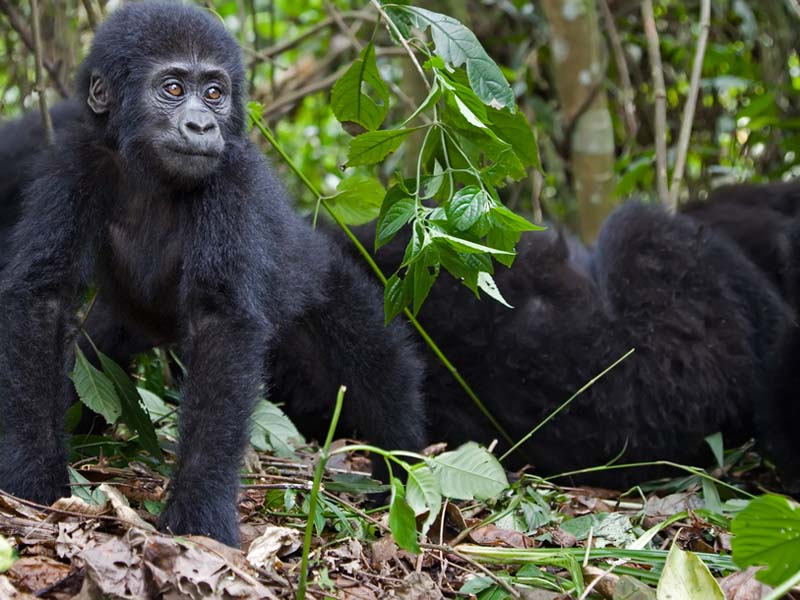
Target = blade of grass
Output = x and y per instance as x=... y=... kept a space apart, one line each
x=312 y=502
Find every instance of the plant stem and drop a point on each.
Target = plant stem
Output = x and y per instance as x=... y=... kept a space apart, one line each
x=256 y=119
x=312 y=502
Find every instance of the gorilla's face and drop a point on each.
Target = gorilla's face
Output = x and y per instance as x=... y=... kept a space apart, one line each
x=176 y=117
x=188 y=104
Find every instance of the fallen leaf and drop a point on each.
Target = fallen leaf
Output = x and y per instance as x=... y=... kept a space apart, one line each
x=274 y=542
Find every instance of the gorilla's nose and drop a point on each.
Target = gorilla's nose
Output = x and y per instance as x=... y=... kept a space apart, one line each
x=198 y=124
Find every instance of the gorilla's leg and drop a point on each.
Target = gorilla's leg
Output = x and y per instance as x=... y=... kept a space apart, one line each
x=343 y=342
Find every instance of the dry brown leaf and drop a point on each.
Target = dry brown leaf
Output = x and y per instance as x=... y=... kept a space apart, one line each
x=122 y=509
x=9 y=592
x=490 y=535
x=274 y=542
x=743 y=585
x=418 y=586
x=34 y=573
x=112 y=568
x=76 y=505
x=383 y=551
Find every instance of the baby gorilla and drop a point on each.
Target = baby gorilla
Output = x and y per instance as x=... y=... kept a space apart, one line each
x=157 y=196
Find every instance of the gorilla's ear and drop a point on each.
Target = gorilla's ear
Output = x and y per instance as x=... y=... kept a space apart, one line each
x=99 y=99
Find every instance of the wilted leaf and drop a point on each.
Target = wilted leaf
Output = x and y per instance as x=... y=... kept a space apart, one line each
x=274 y=542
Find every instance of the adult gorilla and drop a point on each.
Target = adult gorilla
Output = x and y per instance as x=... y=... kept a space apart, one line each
x=157 y=196
x=703 y=319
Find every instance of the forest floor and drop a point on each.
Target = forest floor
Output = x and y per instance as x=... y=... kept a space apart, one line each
x=102 y=543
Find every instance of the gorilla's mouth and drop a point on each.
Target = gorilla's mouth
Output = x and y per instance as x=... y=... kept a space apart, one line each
x=194 y=152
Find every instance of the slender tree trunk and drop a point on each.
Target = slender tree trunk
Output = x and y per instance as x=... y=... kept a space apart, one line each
x=579 y=66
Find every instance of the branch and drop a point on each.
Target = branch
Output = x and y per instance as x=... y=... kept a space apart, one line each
x=393 y=29
x=691 y=103
x=660 y=93
x=628 y=105
x=91 y=15
x=18 y=24
x=47 y=122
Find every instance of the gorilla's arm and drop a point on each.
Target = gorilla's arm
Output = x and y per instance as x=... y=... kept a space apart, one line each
x=38 y=294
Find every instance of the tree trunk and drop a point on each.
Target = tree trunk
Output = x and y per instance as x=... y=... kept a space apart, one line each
x=578 y=52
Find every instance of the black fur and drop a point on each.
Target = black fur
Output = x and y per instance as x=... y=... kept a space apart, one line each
x=702 y=318
x=757 y=217
x=212 y=258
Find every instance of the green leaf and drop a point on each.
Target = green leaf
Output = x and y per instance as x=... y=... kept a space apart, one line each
x=487 y=284
x=398 y=208
x=272 y=430
x=515 y=130
x=395 y=298
x=463 y=245
x=373 y=147
x=423 y=281
x=401 y=520
x=467 y=206
x=715 y=442
x=8 y=555
x=155 y=405
x=469 y=472
x=358 y=199
x=349 y=99
x=457 y=45
x=423 y=494
x=133 y=413
x=686 y=576
x=83 y=489
x=767 y=533
x=95 y=389
x=508 y=219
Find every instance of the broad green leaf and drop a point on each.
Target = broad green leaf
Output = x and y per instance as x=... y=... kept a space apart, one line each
x=358 y=199
x=508 y=219
x=420 y=239
x=395 y=298
x=398 y=208
x=423 y=494
x=133 y=413
x=7 y=555
x=515 y=130
x=423 y=281
x=83 y=489
x=487 y=284
x=272 y=430
x=504 y=239
x=685 y=577
x=401 y=520
x=457 y=45
x=469 y=472
x=155 y=405
x=767 y=533
x=370 y=148
x=95 y=389
x=467 y=206
x=349 y=99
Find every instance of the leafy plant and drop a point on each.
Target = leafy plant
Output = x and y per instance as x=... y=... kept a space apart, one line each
x=474 y=141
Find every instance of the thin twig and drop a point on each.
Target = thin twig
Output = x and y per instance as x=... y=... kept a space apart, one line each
x=296 y=95
x=47 y=122
x=476 y=565
x=91 y=15
x=393 y=29
x=271 y=52
x=17 y=23
x=628 y=105
x=689 y=107
x=660 y=93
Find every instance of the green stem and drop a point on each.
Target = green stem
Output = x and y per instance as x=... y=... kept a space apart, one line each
x=256 y=119
x=784 y=588
x=565 y=404
x=312 y=502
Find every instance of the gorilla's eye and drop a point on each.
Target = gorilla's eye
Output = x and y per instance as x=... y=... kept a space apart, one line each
x=213 y=93
x=174 y=89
